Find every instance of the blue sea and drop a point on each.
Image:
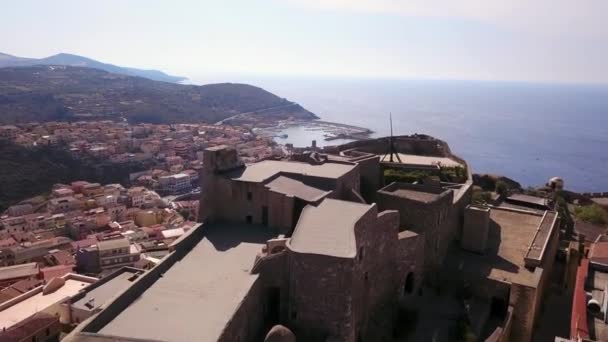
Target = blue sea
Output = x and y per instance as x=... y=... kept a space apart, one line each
x=526 y=131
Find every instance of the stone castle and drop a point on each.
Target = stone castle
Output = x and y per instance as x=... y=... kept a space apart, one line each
x=319 y=248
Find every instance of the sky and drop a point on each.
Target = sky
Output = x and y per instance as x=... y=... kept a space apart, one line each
x=513 y=40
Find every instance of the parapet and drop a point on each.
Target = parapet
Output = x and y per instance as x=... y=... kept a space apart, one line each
x=544 y=232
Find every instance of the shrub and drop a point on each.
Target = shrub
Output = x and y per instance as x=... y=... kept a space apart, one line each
x=481 y=197
x=591 y=213
x=502 y=188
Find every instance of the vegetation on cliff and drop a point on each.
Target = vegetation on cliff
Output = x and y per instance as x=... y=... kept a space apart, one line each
x=591 y=213
x=27 y=172
x=51 y=93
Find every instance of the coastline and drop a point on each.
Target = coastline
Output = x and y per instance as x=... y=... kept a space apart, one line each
x=319 y=130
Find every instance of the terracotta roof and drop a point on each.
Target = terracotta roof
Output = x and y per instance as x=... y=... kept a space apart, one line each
x=11 y=292
x=27 y=327
x=63 y=258
x=8 y=242
x=590 y=230
x=26 y=285
x=56 y=271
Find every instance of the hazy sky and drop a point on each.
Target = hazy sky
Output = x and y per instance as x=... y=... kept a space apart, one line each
x=538 y=40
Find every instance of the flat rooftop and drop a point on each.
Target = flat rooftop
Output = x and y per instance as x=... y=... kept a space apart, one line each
x=198 y=295
x=510 y=234
x=420 y=196
x=38 y=302
x=328 y=229
x=296 y=188
x=416 y=192
x=414 y=159
x=101 y=294
x=262 y=171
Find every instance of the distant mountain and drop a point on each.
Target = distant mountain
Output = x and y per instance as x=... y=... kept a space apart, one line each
x=75 y=60
x=57 y=92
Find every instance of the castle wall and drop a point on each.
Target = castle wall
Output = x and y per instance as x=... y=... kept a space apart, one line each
x=370 y=177
x=376 y=279
x=525 y=300
x=410 y=256
x=433 y=220
x=249 y=321
x=320 y=297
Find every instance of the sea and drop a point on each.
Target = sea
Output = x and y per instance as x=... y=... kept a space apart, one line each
x=529 y=132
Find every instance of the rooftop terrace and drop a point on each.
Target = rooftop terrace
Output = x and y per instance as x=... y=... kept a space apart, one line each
x=415 y=192
x=262 y=171
x=413 y=159
x=509 y=237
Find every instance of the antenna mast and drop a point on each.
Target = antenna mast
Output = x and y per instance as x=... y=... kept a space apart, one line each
x=391 y=142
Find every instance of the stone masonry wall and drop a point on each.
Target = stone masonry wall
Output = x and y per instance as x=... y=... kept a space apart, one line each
x=375 y=280
x=248 y=322
x=432 y=219
x=320 y=292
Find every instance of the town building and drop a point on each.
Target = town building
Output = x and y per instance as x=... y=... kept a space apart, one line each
x=37 y=315
x=504 y=261
x=116 y=253
x=175 y=184
x=589 y=319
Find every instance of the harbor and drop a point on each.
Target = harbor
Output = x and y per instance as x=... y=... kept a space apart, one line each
x=301 y=132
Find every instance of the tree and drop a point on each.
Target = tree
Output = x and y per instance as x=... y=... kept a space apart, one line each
x=502 y=188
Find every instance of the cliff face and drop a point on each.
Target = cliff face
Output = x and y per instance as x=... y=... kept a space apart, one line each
x=50 y=92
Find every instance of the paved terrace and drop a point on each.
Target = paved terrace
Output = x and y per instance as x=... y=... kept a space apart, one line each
x=413 y=159
x=198 y=295
x=262 y=171
x=510 y=234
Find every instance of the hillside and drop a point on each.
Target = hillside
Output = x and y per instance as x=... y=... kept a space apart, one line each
x=28 y=172
x=47 y=93
x=80 y=61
